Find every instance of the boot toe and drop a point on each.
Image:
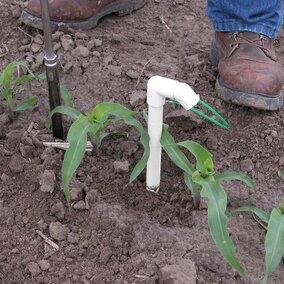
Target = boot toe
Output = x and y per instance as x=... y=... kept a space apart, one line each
x=256 y=78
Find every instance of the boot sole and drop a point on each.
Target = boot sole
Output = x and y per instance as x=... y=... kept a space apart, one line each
x=120 y=7
x=253 y=100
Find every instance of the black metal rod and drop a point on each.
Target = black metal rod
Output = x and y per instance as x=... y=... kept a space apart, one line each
x=51 y=64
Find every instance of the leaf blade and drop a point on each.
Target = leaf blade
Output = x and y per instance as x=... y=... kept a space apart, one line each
x=66 y=96
x=217 y=220
x=71 y=112
x=103 y=110
x=77 y=138
x=144 y=140
x=27 y=103
x=204 y=162
x=228 y=176
x=274 y=242
x=262 y=215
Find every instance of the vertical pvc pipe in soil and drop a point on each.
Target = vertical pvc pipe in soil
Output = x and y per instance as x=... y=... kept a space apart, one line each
x=158 y=89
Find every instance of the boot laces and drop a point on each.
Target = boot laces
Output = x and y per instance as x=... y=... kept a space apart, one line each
x=258 y=42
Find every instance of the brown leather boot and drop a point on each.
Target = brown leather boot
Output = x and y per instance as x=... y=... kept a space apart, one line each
x=78 y=13
x=249 y=74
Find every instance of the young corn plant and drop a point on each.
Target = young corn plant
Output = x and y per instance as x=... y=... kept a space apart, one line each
x=93 y=125
x=8 y=85
x=274 y=238
x=203 y=182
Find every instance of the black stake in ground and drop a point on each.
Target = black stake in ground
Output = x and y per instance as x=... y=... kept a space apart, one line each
x=51 y=63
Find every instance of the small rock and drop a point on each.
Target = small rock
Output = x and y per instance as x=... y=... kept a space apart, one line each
x=94 y=43
x=73 y=238
x=16 y=11
x=107 y=59
x=274 y=133
x=17 y=164
x=38 y=39
x=35 y=47
x=33 y=268
x=76 y=193
x=42 y=225
x=29 y=58
x=57 y=35
x=98 y=42
x=6 y=180
x=81 y=35
x=281 y=161
x=81 y=51
x=117 y=38
x=47 y=181
x=58 y=231
x=48 y=251
x=121 y=166
x=137 y=98
x=39 y=58
x=115 y=70
x=57 y=46
x=15 y=251
x=67 y=42
x=268 y=139
x=80 y=205
x=132 y=74
x=128 y=148
x=105 y=255
x=44 y=264
x=184 y=272
x=58 y=210
x=212 y=142
x=91 y=198
x=247 y=165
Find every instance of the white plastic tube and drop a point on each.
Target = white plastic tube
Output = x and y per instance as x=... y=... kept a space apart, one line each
x=158 y=89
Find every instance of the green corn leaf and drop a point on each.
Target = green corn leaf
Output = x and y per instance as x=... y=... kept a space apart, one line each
x=180 y=160
x=77 y=137
x=41 y=76
x=66 y=96
x=217 y=219
x=263 y=216
x=228 y=176
x=3 y=93
x=102 y=111
x=274 y=243
x=8 y=73
x=71 y=112
x=27 y=103
x=194 y=188
x=144 y=140
x=204 y=162
x=23 y=79
x=175 y=154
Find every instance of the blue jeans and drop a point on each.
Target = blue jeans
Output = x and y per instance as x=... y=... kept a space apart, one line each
x=260 y=16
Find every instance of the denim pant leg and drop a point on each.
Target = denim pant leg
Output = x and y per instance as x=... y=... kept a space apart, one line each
x=260 y=16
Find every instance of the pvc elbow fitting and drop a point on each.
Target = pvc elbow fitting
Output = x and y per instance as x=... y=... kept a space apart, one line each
x=160 y=88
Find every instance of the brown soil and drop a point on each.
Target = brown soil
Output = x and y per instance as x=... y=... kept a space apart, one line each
x=129 y=235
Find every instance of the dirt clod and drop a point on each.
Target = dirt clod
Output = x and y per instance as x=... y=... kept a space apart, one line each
x=183 y=272
x=33 y=268
x=121 y=166
x=58 y=231
x=47 y=181
x=44 y=264
x=58 y=210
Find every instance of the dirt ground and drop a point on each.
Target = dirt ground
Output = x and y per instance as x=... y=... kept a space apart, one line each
x=126 y=234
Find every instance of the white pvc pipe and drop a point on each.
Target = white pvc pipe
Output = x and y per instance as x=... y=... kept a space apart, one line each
x=158 y=89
